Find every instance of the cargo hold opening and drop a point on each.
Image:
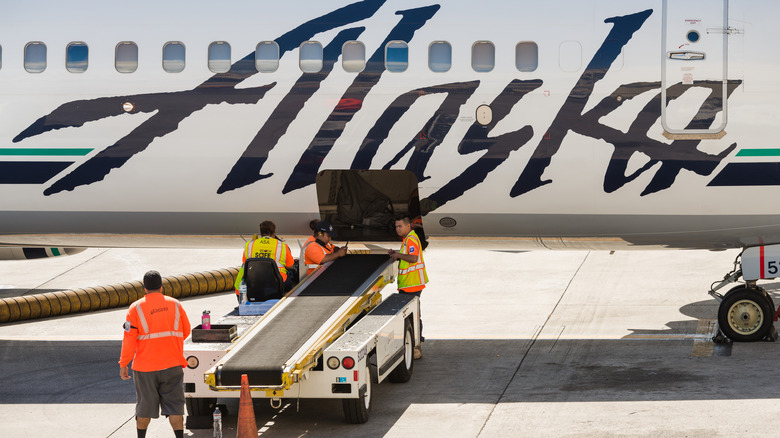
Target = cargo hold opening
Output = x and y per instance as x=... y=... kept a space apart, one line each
x=361 y=204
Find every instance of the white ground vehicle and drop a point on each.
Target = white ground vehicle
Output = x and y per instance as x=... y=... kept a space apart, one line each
x=331 y=337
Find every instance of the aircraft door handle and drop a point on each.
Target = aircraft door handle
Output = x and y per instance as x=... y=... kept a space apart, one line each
x=687 y=56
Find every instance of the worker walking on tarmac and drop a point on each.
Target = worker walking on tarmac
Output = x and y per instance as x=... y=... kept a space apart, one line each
x=272 y=247
x=411 y=267
x=155 y=328
x=320 y=250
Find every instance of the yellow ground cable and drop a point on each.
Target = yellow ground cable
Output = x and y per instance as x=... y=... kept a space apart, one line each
x=106 y=297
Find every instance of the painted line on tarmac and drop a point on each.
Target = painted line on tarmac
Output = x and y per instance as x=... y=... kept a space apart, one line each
x=705 y=347
x=63 y=338
x=667 y=337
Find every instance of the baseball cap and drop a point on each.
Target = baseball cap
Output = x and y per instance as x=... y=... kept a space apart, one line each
x=325 y=227
x=152 y=280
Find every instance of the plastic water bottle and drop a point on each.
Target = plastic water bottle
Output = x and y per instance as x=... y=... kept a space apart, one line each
x=205 y=320
x=217 y=423
x=242 y=292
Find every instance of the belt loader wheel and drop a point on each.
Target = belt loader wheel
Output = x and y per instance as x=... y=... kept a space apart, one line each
x=357 y=410
x=199 y=412
x=745 y=315
x=200 y=406
x=403 y=371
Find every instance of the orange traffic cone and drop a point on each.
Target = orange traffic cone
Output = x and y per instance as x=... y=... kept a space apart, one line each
x=247 y=426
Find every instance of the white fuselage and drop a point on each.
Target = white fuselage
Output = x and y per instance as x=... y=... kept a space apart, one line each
x=572 y=147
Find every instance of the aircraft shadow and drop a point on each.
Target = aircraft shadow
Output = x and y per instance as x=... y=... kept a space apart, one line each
x=41 y=372
x=453 y=371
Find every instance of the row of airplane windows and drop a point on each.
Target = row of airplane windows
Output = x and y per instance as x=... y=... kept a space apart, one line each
x=353 y=55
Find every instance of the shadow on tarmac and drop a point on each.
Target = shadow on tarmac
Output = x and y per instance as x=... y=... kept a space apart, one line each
x=41 y=372
x=453 y=371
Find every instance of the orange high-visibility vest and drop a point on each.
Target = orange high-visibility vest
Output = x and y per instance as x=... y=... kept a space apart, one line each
x=412 y=276
x=155 y=329
x=314 y=253
x=302 y=267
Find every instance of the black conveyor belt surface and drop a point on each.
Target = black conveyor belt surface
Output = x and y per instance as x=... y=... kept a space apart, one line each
x=262 y=358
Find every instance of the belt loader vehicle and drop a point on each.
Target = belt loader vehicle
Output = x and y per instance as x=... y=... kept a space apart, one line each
x=332 y=336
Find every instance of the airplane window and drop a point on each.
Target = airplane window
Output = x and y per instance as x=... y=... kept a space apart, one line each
x=311 y=57
x=219 y=57
x=173 y=57
x=126 y=57
x=440 y=56
x=353 y=56
x=267 y=56
x=35 y=57
x=396 y=56
x=570 y=56
x=526 y=56
x=77 y=57
x=483 y=56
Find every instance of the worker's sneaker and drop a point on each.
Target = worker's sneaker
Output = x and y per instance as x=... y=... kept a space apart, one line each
x=418 y=352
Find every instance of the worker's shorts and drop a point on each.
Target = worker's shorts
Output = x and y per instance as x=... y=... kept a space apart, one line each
x=159 y=389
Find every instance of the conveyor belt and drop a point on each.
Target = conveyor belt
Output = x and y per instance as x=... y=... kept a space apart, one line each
x=262 y=358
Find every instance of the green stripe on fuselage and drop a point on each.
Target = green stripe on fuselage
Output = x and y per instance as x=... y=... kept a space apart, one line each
x=759 y=153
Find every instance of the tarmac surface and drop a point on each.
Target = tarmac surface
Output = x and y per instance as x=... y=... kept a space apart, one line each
x=518 y=344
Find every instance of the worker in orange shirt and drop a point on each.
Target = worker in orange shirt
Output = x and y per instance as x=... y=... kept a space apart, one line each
x=321 y=250
x=155 y=329
x=270 y=246
x=411 y=266
x=302 y=258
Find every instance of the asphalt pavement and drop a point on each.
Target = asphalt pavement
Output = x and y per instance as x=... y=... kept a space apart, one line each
x=539 y=343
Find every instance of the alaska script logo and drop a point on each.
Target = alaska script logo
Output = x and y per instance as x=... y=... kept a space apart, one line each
x=172 y=108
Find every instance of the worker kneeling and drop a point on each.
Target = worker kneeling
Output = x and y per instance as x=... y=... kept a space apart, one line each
x=269 y=246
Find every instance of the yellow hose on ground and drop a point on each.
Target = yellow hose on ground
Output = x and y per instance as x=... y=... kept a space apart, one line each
x=106 y=297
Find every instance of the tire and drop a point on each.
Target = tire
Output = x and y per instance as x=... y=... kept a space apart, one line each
x=200 y=406
x=403 y=371
x=199 y=413
x=761 y=290
x=357 y=410
x=771 y=302
x=745 y=315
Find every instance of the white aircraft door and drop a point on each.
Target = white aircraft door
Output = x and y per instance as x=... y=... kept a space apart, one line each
x=694 y=66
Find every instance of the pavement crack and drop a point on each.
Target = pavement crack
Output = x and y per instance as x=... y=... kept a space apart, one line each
x=120 y=427
x=36 y=288
x=530 y=345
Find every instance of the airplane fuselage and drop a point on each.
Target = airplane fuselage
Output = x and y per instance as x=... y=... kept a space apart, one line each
x=563 y=124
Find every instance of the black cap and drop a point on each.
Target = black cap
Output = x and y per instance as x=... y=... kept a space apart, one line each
x=152 y=280
x=325 y=227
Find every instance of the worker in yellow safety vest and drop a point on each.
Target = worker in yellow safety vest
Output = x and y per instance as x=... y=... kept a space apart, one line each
x=270 y=246
x=412 y=276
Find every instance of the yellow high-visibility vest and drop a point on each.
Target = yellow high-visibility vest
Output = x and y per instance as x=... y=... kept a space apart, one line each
x=411 y=274
x=264 y=247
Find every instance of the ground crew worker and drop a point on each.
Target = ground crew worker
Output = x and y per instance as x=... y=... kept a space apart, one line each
x=320 y=250
x=270 y=246
x=155 y=328
x=417 y=226
x=411 y=266
x=302 y=258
